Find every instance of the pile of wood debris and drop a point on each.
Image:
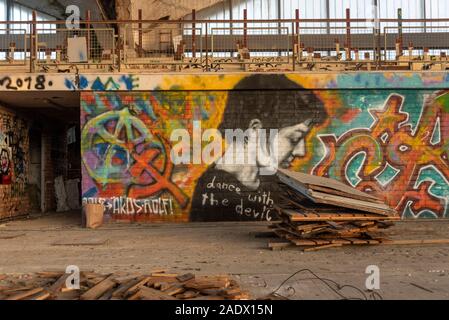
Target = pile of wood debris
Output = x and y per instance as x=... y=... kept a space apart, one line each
x=320 y=213
x=158 y=285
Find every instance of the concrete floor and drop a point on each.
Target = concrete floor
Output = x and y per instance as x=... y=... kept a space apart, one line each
x=406 y=272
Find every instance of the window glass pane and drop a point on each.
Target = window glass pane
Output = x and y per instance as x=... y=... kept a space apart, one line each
x=2 y=15
x=437 y=9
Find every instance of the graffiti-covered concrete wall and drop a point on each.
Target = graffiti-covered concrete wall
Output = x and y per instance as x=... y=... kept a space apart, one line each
x=156 y=155
x=14 y=156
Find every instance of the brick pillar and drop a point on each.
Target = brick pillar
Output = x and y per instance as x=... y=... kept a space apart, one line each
x=47 y=181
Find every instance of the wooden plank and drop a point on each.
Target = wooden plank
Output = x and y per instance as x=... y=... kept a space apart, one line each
x=279 y=245
x=377 y=208
x=336 y=225
x=294 y=184
x=92 y=275
x=304 y=242
x=107 y=295
x=373 y=241
x=80 y=242
x=9 y=290
x=295 y=203
x=363 y=224
x=345 y=194
x=146 y=293
x=70 y=295
x=49 y=274
x=94 y=281
x=175 y=289
x=287 y=230
x=280 y=233
x=320 y=241
x=98 y=290
x=414 y=241
x=356 y=241
x=294 y=217
x=208 y=298
x=385 y=224
x=160 y=270
x=56 y=287
x=164 y=275
x=310 y=226
x=326 y=246
x=213 y=292
x=341 y=241
x=206 y=284
x=124 y=287
x=135 y=296
x=142 y=281
x=307 y=179
x=41 y=296
x=185 y=277
x=124 y=279
x=157 y=281
x=22 y=295
x=187 y=295
x=165 y=286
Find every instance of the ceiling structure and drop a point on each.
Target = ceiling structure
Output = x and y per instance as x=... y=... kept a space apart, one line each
x=164 y=9
x=55 y=105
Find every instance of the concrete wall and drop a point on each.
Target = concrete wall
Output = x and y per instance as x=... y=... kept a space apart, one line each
x=381 y=138
x=14 y=160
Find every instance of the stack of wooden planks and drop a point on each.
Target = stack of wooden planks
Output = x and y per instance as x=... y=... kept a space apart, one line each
x=158 y=285
x=320 y=213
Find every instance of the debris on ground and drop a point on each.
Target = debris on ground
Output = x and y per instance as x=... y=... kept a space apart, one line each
x=321 y=213
x=51 y=285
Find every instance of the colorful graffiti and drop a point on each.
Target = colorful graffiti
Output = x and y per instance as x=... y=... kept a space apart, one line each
x=126 y=149
x=405 y=164
x=110 y=83
x=5 y=165
x=13 y=139
x=389 y=142
x=13 y=164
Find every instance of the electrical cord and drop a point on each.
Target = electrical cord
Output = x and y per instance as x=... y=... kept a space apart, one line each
x=372 y=296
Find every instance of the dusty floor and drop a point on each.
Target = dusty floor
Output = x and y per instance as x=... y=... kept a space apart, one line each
x=406 y=272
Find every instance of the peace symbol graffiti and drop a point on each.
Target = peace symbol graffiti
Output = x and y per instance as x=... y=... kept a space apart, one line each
x=118 y=148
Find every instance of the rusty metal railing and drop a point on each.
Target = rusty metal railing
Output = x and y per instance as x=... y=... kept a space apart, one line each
x=227 y=45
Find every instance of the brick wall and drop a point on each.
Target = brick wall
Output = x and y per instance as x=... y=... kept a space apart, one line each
x=14 y=158
x=391 y=143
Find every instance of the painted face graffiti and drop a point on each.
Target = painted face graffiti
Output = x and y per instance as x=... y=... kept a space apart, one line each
x=4 y=162
x=291 y=142
x=291 y=114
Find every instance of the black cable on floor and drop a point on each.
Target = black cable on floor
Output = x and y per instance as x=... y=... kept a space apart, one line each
x=373 y=295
